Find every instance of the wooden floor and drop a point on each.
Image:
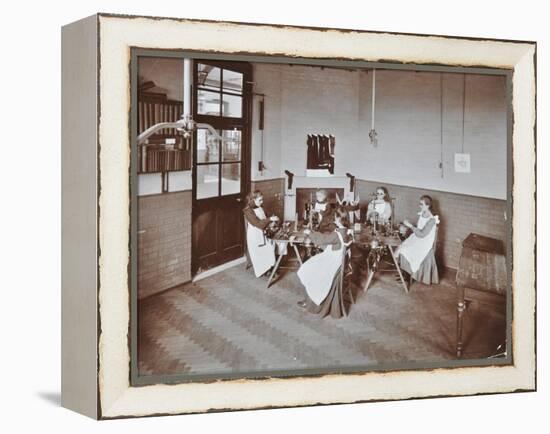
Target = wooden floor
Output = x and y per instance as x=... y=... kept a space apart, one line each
x=229 y=323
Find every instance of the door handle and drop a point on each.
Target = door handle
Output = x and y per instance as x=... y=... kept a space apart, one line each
x=239 y=199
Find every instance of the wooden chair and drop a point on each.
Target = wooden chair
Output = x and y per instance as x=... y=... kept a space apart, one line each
x=432 y=253
x=344 y=290
x=392 y=217
x=248 y=260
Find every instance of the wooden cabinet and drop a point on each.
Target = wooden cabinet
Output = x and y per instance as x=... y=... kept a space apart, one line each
x=481 y=277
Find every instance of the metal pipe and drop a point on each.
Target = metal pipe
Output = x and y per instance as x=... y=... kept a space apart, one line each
x=187 y=83
x=152 y=130
x=211 y=129
x=185 y=125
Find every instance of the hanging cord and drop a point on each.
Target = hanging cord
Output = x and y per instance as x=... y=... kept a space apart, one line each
x=372 y=132
x=262 y=133
x=261 y=127
x=441 y=121
x=463 y=107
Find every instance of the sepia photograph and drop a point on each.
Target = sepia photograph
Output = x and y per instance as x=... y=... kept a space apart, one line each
x=303 y=217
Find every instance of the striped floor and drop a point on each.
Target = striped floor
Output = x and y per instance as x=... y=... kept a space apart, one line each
x=229 y=323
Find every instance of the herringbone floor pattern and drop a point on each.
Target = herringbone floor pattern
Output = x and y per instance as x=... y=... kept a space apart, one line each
x=229 y=323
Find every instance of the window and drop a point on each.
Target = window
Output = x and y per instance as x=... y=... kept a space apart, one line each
x=218 y=163
x=219 y=92
x=219 y=102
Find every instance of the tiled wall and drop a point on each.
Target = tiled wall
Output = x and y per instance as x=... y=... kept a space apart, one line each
x=164 y=241
x=460 y=215
x=273 y=191
x=418 y=120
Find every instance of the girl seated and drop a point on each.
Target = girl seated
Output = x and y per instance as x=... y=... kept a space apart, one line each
x=379 y=209
x=323 y=211
x=260 y=249
x=417 y=253
x=321 y=273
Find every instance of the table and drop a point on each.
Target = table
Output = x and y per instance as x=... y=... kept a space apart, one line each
x=391 y=241
x=364 y=238
x=292 y=238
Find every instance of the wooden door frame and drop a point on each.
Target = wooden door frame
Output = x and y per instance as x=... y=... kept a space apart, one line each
x=246 y=140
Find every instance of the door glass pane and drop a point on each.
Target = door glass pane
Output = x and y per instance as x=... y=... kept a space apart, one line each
x=232 y=106
x=232 y=81
x=208 y=76
x=208 y=147
x=207 y=181
x=208 y=103
x=231 y=178
x=231 y=146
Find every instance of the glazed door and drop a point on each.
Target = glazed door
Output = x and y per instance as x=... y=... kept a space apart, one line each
x=222 y=98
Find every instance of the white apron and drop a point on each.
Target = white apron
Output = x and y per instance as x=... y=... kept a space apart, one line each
x=317 y=273
x=260 y=249
x=415 y=249
x=380 y=208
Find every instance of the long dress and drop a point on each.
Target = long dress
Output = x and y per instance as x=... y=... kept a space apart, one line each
x=417 y=253
x=321 y=275
x=260 y=249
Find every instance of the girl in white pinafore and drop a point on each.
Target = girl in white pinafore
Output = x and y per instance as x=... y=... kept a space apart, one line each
x=260 y=249
x=417 y=253
x=320 y=274
x=379 y=209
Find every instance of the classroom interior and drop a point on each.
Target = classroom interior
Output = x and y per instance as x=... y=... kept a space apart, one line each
x=201 y=309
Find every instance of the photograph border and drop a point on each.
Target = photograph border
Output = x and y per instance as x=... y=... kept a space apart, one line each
x=116 y=36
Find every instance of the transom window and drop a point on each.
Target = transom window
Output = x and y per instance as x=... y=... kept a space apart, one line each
x=219 y=92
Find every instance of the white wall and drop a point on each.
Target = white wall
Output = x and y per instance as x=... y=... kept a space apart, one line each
x=303 y=99
x=165 y=72
x=267 y=80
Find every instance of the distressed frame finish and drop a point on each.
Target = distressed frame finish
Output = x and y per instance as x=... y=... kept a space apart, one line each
x=106 y=391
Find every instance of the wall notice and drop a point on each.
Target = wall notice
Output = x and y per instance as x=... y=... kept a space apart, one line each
x=462 y=163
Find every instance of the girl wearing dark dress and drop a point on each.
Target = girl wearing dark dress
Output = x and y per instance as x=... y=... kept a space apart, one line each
x=324 y=211
x=321 y=274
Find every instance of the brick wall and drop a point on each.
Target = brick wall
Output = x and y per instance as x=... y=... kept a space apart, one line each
x=164 y=241
x=273 y=191
x=460 y=215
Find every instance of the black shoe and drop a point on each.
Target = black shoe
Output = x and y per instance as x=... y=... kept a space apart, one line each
x=302 y=304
